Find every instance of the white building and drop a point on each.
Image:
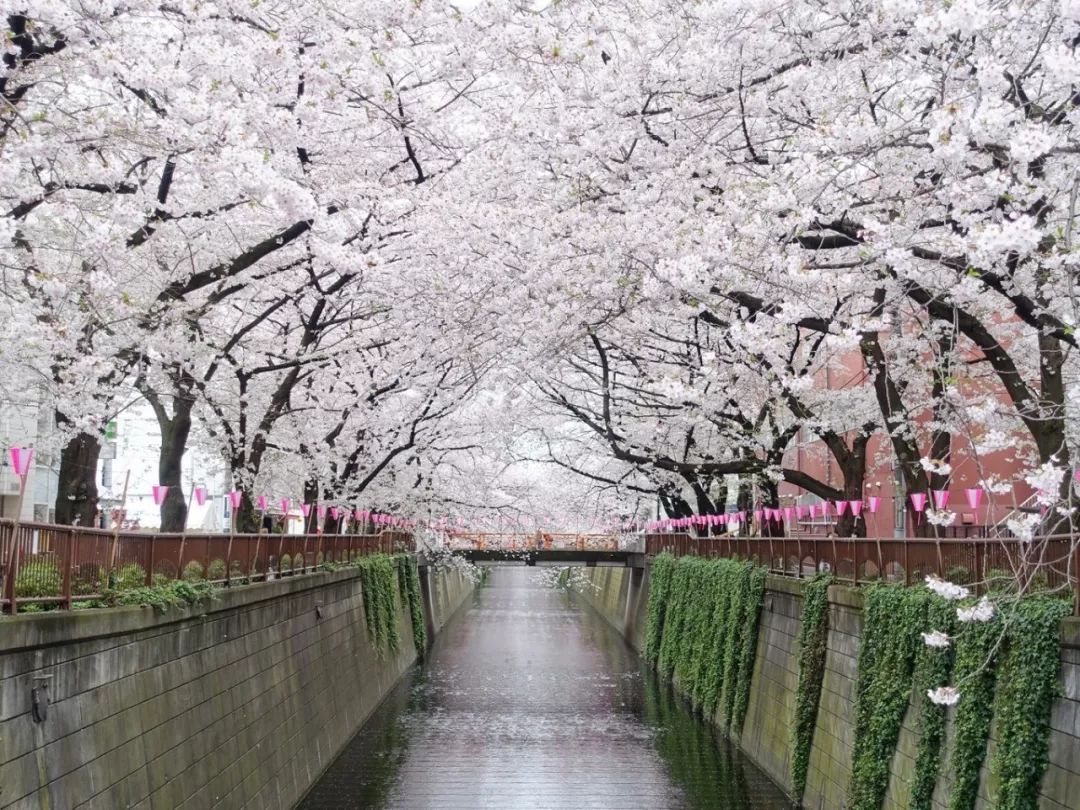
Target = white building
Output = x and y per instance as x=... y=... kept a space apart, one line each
x=24 y=425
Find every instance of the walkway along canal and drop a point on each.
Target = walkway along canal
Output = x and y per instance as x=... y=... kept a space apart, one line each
x=530 y=700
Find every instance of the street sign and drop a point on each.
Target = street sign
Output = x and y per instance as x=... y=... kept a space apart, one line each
x=110 y=430
x=108 y=451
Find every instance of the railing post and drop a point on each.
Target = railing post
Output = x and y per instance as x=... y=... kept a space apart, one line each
x=150 y=561
x=68 y=560
x=13 y=569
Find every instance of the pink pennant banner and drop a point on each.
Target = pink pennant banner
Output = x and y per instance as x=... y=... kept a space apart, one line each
x=322 y=511
x=262 y=501
x=235 y=499
x=757 y=514
x=800 y=511
x=306 y=509
x=200 y=495
x=918 y=501
x=20 y=460
x=872 y=503
x=856 y=507
x=841 y=507
x=941 y=499
x=974 y=497
x=159 y=493
x=285 y=504
x=788 y=511
x=334 y=512
x=823 y=508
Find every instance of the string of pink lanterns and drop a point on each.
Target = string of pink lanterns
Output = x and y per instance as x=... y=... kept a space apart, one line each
x=919 y=501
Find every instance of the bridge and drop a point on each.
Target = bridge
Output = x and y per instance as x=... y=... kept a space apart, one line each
x=542 y=548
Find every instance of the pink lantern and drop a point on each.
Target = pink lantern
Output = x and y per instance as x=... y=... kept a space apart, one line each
x=856 y=507
x=159 y=493
x=757 y=514
x=974 y=497
x=200 y=495
x=306 y=509
x=841 y=507
x=873 y=502
x=787 y=514
x=235 y=499
x=918 y=501
x=800 y=511
x=262 y=501
x=941 y=499
x=20 y=460
x=322 y=511
x=334 y=512
x=285 y=504
x=823 y=508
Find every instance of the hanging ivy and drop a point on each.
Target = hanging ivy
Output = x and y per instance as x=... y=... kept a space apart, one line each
x=702 y=630
x=893 y=618
x=813 y=634
x=933 y=668
x=378 y=582
x=1027 y=687
x=409 y=585
x=974 y=674
x=744 y=664
x=660 y=575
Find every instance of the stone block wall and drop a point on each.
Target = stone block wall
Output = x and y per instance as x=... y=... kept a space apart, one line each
x=766 y=733
x=238 y=704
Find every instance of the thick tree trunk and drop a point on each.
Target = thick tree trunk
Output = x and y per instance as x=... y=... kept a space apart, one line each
x=76 y=492
x=174 y=436
x=311 y=498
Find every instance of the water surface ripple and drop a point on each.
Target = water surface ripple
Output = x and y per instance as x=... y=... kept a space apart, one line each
x=530 y=700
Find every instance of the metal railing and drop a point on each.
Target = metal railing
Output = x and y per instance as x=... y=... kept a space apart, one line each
x=1050 y=563
x=47 y=564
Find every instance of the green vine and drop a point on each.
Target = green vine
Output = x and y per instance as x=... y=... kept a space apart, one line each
x=813 y=634
x=378 y=581
x=702 y=630
x=746 y=643
x=1026 y=691
x=893 y=619
x=933 y=668
x=974 y=674
x=409 y=585
x=660 y=575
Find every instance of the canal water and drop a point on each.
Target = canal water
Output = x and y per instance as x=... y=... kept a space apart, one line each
x=530 y=701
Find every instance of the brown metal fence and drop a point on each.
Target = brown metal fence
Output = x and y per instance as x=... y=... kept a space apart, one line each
x=41 y=563
x=1051 y=563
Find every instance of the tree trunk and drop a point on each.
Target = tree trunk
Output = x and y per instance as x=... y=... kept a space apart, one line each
x=174 y=436
x=311 y=498
x=76 y=492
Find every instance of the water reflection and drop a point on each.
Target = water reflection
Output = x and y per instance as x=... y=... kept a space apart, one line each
x=530 y=701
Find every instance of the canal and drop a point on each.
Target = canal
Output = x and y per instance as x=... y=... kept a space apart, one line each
x=530 y=700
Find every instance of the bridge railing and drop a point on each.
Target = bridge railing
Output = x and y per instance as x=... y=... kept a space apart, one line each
x=527 y=541
x=47 y=564
x=1051 y=562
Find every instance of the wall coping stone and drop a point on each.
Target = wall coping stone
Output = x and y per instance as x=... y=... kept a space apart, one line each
x=64 y=627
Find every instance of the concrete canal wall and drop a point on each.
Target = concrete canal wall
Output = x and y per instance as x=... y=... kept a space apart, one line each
x=621 y=596
x=240 y=703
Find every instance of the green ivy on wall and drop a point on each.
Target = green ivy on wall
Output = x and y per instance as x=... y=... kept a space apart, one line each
x=660 y=574
x=933 y=668
x=974 y=675
x=378 y=582
x=893 y=618
x=1027 y=686
x=409 y=585
x=702 y=630
x=813 y=633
